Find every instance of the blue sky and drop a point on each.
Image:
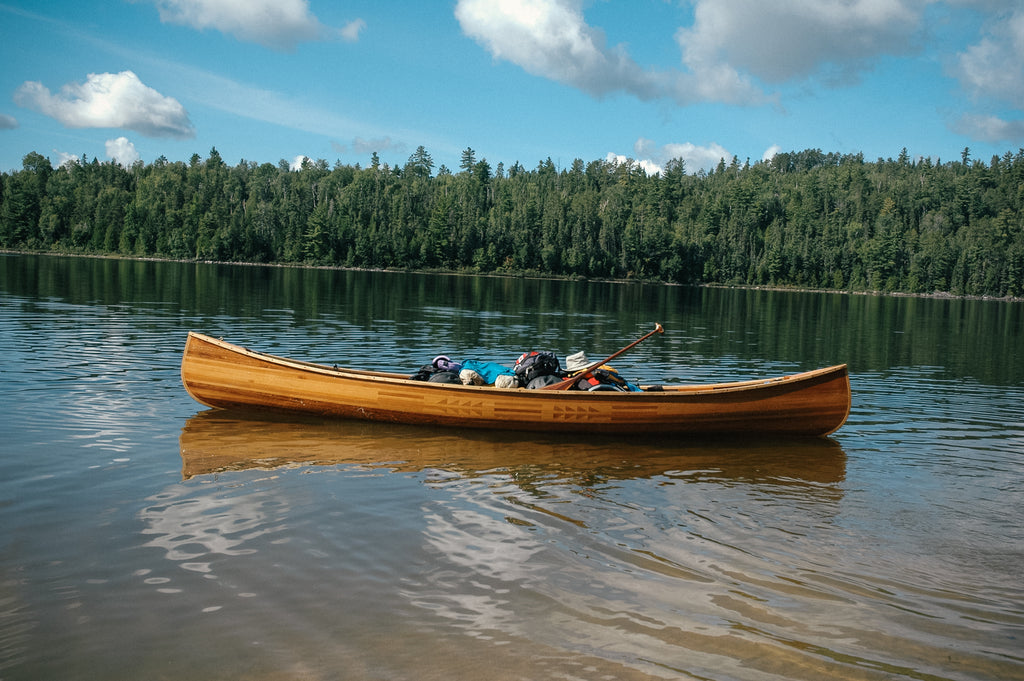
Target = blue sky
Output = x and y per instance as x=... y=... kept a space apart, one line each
x=515 y=80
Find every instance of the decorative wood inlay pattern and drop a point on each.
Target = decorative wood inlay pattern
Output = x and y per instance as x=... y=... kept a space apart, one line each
x=571 y=413
x=461 y=407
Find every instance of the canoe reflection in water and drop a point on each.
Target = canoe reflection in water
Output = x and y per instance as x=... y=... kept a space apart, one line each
x=217 y=441
x=629 y=554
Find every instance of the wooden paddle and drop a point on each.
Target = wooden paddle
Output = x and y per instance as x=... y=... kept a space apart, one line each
x=571 y=381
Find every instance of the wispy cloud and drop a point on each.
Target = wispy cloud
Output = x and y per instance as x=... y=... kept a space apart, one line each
x=350 y=31
x=831 y=41
x=248 y=101
x=989 y=128
x=109 y=100
x=991 y=71
x=8 y=122
x=361 y=145
x=994 y=66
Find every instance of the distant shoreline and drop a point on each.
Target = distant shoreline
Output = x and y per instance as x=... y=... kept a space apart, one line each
x=938 y=295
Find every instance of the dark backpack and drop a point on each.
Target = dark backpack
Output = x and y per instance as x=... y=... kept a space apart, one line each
x=533 y=364
x=434 y=374
x=542 y=381
x=441 y=370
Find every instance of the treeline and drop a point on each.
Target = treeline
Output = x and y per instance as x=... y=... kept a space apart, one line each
x=801 y=219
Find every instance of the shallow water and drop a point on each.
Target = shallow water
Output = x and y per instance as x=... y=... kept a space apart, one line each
x=144 y=536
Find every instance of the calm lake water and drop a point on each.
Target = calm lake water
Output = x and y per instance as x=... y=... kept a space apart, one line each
x=143 y=536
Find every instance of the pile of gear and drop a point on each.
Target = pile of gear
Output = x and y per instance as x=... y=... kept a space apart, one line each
x=534 y=369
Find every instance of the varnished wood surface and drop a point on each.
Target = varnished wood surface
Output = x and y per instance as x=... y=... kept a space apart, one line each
x=220 y=374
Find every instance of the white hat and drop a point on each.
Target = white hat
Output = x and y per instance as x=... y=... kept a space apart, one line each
x=576 y=362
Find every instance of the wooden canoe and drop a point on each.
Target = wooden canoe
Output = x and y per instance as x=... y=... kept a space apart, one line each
x=222 y=375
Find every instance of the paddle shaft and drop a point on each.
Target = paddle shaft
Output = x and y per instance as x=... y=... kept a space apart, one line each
x=571 y=381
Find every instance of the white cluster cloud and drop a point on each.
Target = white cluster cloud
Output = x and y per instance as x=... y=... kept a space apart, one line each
x=549 y=38
x=297 y=162
x=649 y=166
x=109 y=100
x=122 y=151
x=277 y=24
x=653 y=158
x=64 y=158
x=770 y=152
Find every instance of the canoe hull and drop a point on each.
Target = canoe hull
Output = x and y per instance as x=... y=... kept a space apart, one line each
x=223 y=375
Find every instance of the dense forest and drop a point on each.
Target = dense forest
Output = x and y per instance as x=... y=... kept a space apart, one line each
x=802 y=219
